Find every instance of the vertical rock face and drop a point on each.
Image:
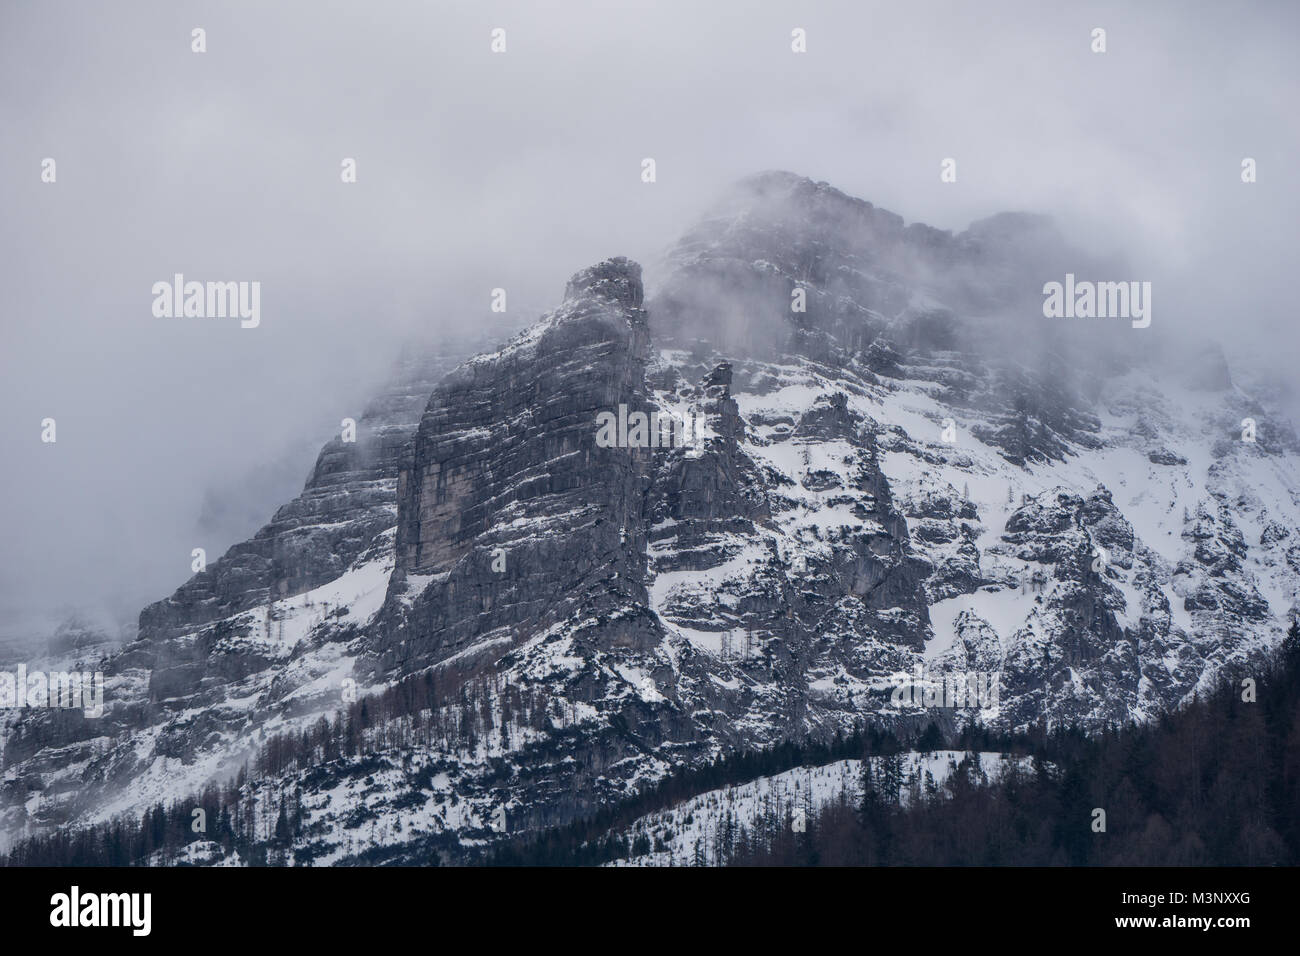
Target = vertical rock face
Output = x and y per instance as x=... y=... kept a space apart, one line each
x=511 y=516
x=348 y=502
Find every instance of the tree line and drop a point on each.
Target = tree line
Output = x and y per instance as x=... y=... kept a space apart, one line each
x=1217 y=782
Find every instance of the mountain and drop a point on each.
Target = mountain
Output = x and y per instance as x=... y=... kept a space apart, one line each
x=494 y=615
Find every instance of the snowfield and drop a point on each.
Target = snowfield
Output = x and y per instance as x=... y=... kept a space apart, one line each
x=690 y=834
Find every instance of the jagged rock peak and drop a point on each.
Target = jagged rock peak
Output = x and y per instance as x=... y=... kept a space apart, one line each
x=782 y=181
x=609 y=291
x=789 y=197
x=617 y=279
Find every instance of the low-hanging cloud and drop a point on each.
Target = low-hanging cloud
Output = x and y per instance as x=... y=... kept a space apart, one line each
x=478 y=170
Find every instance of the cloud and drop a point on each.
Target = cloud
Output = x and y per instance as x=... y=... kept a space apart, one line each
x=478 y=170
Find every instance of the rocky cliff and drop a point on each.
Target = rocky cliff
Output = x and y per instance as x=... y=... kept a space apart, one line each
x=900 y=466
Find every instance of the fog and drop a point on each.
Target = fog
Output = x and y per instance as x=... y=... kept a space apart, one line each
x=478 y=170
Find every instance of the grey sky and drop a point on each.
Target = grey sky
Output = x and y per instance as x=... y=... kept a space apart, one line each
x=479 y=170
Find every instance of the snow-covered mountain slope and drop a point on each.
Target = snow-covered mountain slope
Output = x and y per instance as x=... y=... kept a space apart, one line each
x=705 y=829
x=917 y=480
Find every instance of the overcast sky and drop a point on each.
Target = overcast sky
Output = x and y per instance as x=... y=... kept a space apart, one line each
x=478 y=170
